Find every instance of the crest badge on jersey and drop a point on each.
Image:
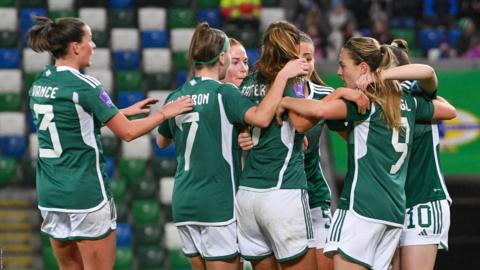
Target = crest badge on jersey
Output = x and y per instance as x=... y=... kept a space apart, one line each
x=298 y=89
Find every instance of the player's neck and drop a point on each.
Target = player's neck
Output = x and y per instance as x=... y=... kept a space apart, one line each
x=207 y=72
x=67 y=62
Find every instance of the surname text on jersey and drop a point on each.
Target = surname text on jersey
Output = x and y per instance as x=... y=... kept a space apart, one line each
x=44 y=91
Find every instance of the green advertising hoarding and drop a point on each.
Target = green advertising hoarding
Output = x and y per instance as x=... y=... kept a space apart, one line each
x=460 y=137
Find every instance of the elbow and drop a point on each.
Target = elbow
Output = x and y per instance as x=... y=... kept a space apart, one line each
x=301 y=128
x=452 y=114
x=128 y=136
x=319 y=113
x=263 y=123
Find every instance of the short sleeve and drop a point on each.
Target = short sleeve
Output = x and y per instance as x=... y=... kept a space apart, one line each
x=164 y=130
x=97 y=101
x=234 y=103
x=424 y=108
x=352 y=112
x=338 y=125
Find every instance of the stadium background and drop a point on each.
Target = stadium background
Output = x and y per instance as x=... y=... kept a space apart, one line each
x=140 y=52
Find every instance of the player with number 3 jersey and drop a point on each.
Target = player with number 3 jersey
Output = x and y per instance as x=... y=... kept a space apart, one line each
x=68 y=110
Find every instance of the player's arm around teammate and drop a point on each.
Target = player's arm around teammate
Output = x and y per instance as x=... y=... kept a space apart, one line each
x=358 y=57
x=69 y=108
x=427 y=198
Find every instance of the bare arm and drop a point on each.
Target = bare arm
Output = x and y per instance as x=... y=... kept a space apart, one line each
x=424 y=74
x=163 y=141
x=443 y=109
x=262 y=115
x=139 y=107
x=313 y=109
x=305 y=122
x=129 y=130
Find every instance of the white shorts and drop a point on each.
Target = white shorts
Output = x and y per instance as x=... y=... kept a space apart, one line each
x=322 y=220
x=274 y=221
x=80 y=226
x=426 y=224
x=363 y=242
x=214 y=243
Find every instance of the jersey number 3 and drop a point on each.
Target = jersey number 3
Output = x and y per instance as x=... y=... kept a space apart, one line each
x=400 y=147
x=48 y=124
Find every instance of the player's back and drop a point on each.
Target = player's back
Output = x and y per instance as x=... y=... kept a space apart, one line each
x=204 y=182
x=69 y=171
x=378 y=161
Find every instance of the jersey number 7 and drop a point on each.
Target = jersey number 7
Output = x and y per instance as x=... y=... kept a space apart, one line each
x=193 y=118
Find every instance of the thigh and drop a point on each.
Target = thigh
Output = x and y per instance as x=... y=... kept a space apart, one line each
x=67 y=254
x=306 y=262
x=284 y=217
x=98 y=254
x=418 y=257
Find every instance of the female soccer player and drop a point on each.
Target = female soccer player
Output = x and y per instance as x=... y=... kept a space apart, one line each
x=318 y=190
x=238 y=68
x=427 y=217
x=68 y=110
x=317 y=187
x=367 y=226
x=204 y=191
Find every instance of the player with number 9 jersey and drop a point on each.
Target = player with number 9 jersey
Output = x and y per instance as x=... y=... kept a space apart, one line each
x=367 y=226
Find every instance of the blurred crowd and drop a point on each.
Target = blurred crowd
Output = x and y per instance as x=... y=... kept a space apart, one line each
x=437 y=28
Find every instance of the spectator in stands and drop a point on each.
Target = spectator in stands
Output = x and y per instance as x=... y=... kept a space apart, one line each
x=338 y=18
x=68 y=110
x=471 y=9
x=469 y=40
x=381 y=32
x=440 y=12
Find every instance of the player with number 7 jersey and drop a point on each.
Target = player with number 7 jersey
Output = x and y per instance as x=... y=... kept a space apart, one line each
x=203 y=197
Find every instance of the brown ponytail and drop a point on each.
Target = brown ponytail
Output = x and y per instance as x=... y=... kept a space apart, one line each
x=387 y=93
x=55 y=37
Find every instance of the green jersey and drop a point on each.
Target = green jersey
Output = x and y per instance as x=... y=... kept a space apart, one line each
x=378 y=155
x=204 y=189
x=276 y=159
x=68 y=110
x=424 y=178
x=317 y=187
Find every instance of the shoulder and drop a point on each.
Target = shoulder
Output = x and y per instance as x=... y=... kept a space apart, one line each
x=319 y=91
x=228 y=86
x=406 y=85
x=77 y=79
